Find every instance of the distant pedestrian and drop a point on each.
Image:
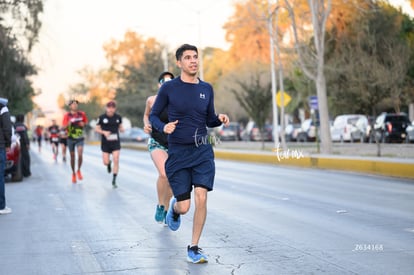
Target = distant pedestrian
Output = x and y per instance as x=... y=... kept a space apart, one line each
x=5 y=143
x=39 y=136
x=54 y=138
x=190 y=164
x=63 y=141
x=21 y=129
x=158 y=148
x=109 y=125
x=74 y=122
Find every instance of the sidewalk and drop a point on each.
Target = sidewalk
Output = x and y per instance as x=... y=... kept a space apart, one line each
x=397 y=160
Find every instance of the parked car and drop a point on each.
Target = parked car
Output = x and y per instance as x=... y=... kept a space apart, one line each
x=307 y=131
x=410 y=133
x=255 y=134
x=351 y=128
x=392 y=127
x=370 y=133
x=13 y=161
x=229 y=132
x=134 y=134
x=292 y=131
x=245 y=133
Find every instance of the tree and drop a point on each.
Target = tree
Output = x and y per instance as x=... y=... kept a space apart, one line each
x=25 y=23
x=319 y=12
x=370 y=61
x=139 y=80
x=19 y=24
x=247 y=33
x=14 y=70
x=254 y=97
x=134 y=66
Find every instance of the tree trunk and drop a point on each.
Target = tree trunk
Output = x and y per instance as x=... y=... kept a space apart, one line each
x=326 y=144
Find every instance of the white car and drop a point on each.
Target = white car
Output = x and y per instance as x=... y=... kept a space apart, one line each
x=410 y=133
x=349 y=128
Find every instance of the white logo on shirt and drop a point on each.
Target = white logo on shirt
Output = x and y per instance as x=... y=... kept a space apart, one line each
x=105 y=120
x=202 y=96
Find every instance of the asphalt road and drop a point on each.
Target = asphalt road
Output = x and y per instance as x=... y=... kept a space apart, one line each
x=262 y=219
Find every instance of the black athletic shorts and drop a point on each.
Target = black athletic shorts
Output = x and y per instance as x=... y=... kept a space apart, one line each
x=63 y=141
x=110 y=146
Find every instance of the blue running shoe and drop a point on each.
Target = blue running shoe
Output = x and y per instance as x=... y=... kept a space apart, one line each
x=159 y=214
x=173 y=219
x=195 y=256
x=165 y=218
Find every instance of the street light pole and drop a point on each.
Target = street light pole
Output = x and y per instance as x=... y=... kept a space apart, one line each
x=273 y=76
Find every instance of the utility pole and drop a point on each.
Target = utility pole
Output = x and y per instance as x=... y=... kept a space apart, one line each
x=273 y=76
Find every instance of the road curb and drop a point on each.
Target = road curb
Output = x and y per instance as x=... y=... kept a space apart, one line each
x=371 y=166
x=391 y=168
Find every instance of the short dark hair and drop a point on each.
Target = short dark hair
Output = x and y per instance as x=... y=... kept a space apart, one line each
x=19 y=118
x=183 y=48
x=73 y=101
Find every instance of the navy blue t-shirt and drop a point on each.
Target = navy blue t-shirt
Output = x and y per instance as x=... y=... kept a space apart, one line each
x=191 y=104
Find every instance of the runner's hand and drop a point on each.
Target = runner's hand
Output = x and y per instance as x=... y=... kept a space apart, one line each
x=147 y=128
x=224 y=119
x=170 y=127
x=106 y=133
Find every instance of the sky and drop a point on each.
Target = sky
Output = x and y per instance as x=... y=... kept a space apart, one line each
x=74 y=32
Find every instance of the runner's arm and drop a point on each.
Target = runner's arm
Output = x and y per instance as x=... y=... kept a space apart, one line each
x=160 y=103
x=147 y=123
x=212 y=118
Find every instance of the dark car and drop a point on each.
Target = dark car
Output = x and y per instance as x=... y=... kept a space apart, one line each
x=391 y=127
x=229 y=132
x=13 y=162
x=134 y=134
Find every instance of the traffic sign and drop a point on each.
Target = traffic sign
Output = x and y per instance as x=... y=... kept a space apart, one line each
x=313 y=102
x=286 y=99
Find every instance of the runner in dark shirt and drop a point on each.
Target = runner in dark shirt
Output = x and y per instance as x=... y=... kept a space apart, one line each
x=54 y=138
x=109 y=125
x=158 y=148
x=190 y=164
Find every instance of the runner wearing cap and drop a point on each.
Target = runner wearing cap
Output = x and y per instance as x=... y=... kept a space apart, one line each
x=74 y=121
x=109 y=125
x=158 y=147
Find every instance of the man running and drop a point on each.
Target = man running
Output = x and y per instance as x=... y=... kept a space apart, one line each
x=190 y=163
x=39 y=136
x=158 y=147
x=63 y=140
x=109 y=125
x=74 y=121
x=54 y=138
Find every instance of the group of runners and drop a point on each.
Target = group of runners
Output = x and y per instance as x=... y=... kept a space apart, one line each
x=177 y=119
